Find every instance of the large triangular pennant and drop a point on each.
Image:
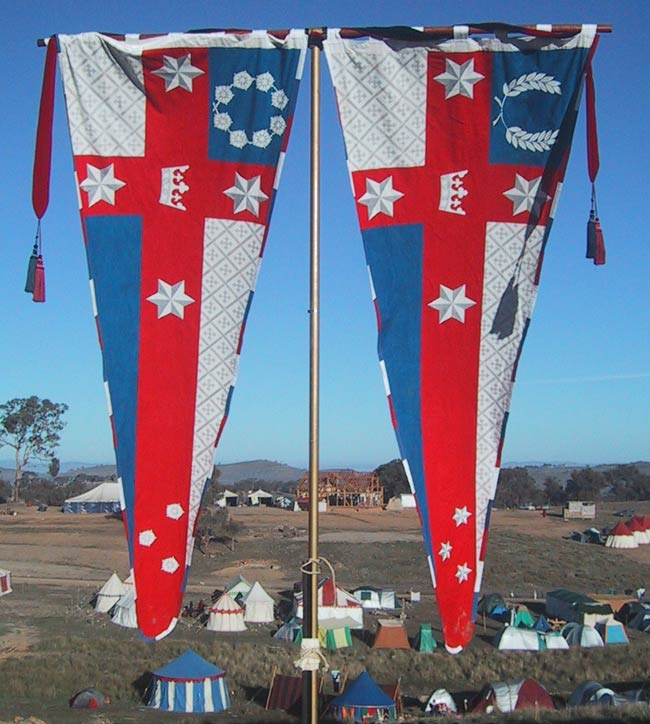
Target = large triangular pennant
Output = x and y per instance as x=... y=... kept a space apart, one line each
x=457 y=149
x=178 y=142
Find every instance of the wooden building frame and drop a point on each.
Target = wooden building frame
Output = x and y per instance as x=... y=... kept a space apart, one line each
x=344 y=489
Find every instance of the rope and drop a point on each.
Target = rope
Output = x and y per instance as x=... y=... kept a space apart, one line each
x=311 y=656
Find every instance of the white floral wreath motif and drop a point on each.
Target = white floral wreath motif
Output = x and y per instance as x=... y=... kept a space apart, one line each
x=243 y=80
x=519 y=137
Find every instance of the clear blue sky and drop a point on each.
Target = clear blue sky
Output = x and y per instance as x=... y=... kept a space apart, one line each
x=583 y=390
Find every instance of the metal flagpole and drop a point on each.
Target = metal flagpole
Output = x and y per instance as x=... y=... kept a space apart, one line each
x=310 y=578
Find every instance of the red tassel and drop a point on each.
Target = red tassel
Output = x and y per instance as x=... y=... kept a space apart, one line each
x=599 y=256
x=39 y=281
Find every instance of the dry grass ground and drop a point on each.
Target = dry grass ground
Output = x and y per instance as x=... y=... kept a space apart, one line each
x=51 y=644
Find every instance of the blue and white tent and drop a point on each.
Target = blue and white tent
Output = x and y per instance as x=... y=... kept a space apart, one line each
x=190 y=684
x=105 y=498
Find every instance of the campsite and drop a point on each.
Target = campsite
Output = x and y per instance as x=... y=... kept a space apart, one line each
x=58 y=561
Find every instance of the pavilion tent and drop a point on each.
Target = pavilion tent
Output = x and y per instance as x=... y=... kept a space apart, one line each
x=509 y=696
x=228 y=499
x=424 y=641
x=124 y=613
x=333 y=602
x=391 y=635
x=5 y=582
x=105 y=498
x=582 y=636
x=189 y=684
x=258 y=605
x=259 y=497
x=226 y=615
x=363 y=700
x=620 y=536
x=109 y=594
x=637 y=526
x=238 y=586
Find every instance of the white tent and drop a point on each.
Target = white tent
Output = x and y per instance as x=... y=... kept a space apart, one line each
x=371 y=597
x=228 y=499
x=620 y=536
x=5 y=582
x=259 y=497
x=513 y=638
x=226 y=615
x=440 y=702
x=124 y=612
x=109 y=594
x=105 y=498
x=258 y=605
x=638 y=529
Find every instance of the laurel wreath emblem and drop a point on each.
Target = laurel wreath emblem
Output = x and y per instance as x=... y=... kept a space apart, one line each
x=519 y=137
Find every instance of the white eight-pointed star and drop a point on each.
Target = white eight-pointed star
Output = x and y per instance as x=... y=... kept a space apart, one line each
x=171 y=299
x=445 y=551
x=380 y=197
x=247 y=194
x=461 y=516
x=452 y=303
x=525 y=195
x=462 y=572
x=100 y=184
x=459 y=79
x=178 y=72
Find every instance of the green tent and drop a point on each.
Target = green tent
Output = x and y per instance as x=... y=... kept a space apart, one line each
x=524 y=619
x=334 y=638
x=424 y=641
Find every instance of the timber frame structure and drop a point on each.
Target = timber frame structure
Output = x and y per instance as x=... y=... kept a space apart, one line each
x=344 y=488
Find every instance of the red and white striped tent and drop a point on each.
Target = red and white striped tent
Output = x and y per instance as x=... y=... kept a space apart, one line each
x=638 y=526
x=5 y=582
x=226 y=615
x=620 y=536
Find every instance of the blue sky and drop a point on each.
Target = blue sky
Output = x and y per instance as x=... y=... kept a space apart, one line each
x=583 y=389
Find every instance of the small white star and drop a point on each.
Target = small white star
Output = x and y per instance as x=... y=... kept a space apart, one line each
x=445 y=551
x=100 y=184
x=175 y=511
x=461 y=515
x=462 y=572
x=380 y=197
x=171 y=299
x=178 y=72
x=146 y=538
x=247 y=194
x=169 y=565
x=452 y=303
x=524 y=194
x=458 y=79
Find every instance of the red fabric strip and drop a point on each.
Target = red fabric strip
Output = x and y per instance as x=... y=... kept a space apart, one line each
x=43 y=153
x=593 y=158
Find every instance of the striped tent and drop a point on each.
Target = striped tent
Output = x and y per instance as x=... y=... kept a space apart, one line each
x=226 y=615
x=620 y=536
x=189 y=684
x=638 y=527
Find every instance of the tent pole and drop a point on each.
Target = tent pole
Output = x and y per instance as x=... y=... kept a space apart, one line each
x=310 y=581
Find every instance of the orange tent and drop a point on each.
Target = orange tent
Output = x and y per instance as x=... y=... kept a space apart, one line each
x=391 y=635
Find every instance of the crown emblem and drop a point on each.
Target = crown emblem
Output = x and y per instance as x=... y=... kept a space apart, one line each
x=452 y=192
x=173 y=186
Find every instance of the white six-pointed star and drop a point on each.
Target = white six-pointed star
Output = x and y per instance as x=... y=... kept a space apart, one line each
x=452 y=303
x=171 y=299
x=459 y=79
x=461 y=516
x=246 y=194
x=445 y=551
x=462 y=572
x=100 y=184
x=525 y=194
x=178 y=72
x=380 y=197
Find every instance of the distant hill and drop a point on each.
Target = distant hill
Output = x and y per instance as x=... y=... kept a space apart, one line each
x=267 y=471
x=562 y=472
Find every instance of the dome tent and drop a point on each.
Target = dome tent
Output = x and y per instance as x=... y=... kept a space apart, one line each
x=363 y=699
x=508 y=696
x=189 y=684
x=583 y=636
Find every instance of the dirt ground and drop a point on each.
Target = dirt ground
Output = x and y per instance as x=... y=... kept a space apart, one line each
x=57 y=561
